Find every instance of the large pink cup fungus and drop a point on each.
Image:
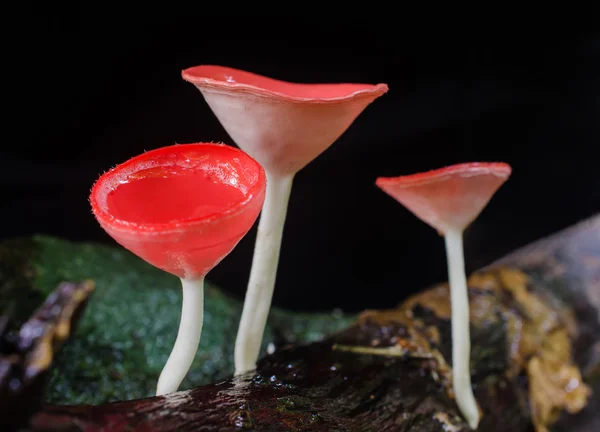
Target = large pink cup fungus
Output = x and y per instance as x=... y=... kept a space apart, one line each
x=449 y=199
x=284 y=126
x=182 y=208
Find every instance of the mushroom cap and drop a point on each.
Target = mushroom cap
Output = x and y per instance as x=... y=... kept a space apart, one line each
x=448 y=198
x=283 y=125
x=159 y=220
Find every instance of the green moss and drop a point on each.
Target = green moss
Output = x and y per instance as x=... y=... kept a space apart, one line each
x=131 y=322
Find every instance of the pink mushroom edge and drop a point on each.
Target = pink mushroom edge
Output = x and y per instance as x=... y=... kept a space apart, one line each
x=450 y=197
x=221 y=78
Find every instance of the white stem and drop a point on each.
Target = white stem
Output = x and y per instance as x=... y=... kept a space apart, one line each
x=188 y=337
x=461 y=340
x=262 y=273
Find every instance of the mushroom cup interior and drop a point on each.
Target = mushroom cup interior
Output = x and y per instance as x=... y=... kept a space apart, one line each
x=171 y=186
x=181 y=208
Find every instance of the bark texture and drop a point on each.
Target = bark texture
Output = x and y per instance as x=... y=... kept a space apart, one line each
x=535 y=332
x=26 y=354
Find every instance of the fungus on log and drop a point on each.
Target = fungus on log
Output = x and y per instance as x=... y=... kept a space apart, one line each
x=450 y=199
x=284 y=126
x=183 y=209
x=536 y=344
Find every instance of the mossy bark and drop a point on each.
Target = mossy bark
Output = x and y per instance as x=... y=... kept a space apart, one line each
x=536 y=341
x=27 y=351
x=131 y=322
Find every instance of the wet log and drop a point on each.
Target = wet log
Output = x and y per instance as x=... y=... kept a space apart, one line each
x=26 y=354
x=535 y=332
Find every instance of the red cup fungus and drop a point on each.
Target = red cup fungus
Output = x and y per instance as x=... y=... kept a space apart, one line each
x=449 y=199
x=181 y=208
x=284 y=126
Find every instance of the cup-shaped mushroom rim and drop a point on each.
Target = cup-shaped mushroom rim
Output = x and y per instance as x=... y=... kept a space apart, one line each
x=222 y=78
x=467 y=169
x=105 y=184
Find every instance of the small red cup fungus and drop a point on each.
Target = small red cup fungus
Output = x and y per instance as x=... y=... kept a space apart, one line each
x=284 y=126
x=181 y=208
x=449 y=199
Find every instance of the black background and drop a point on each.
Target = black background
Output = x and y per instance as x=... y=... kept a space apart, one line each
x=96 y=88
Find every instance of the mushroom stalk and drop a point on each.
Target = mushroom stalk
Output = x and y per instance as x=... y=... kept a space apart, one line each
x=263 y=272
x=461 y=343
x=188 y=337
